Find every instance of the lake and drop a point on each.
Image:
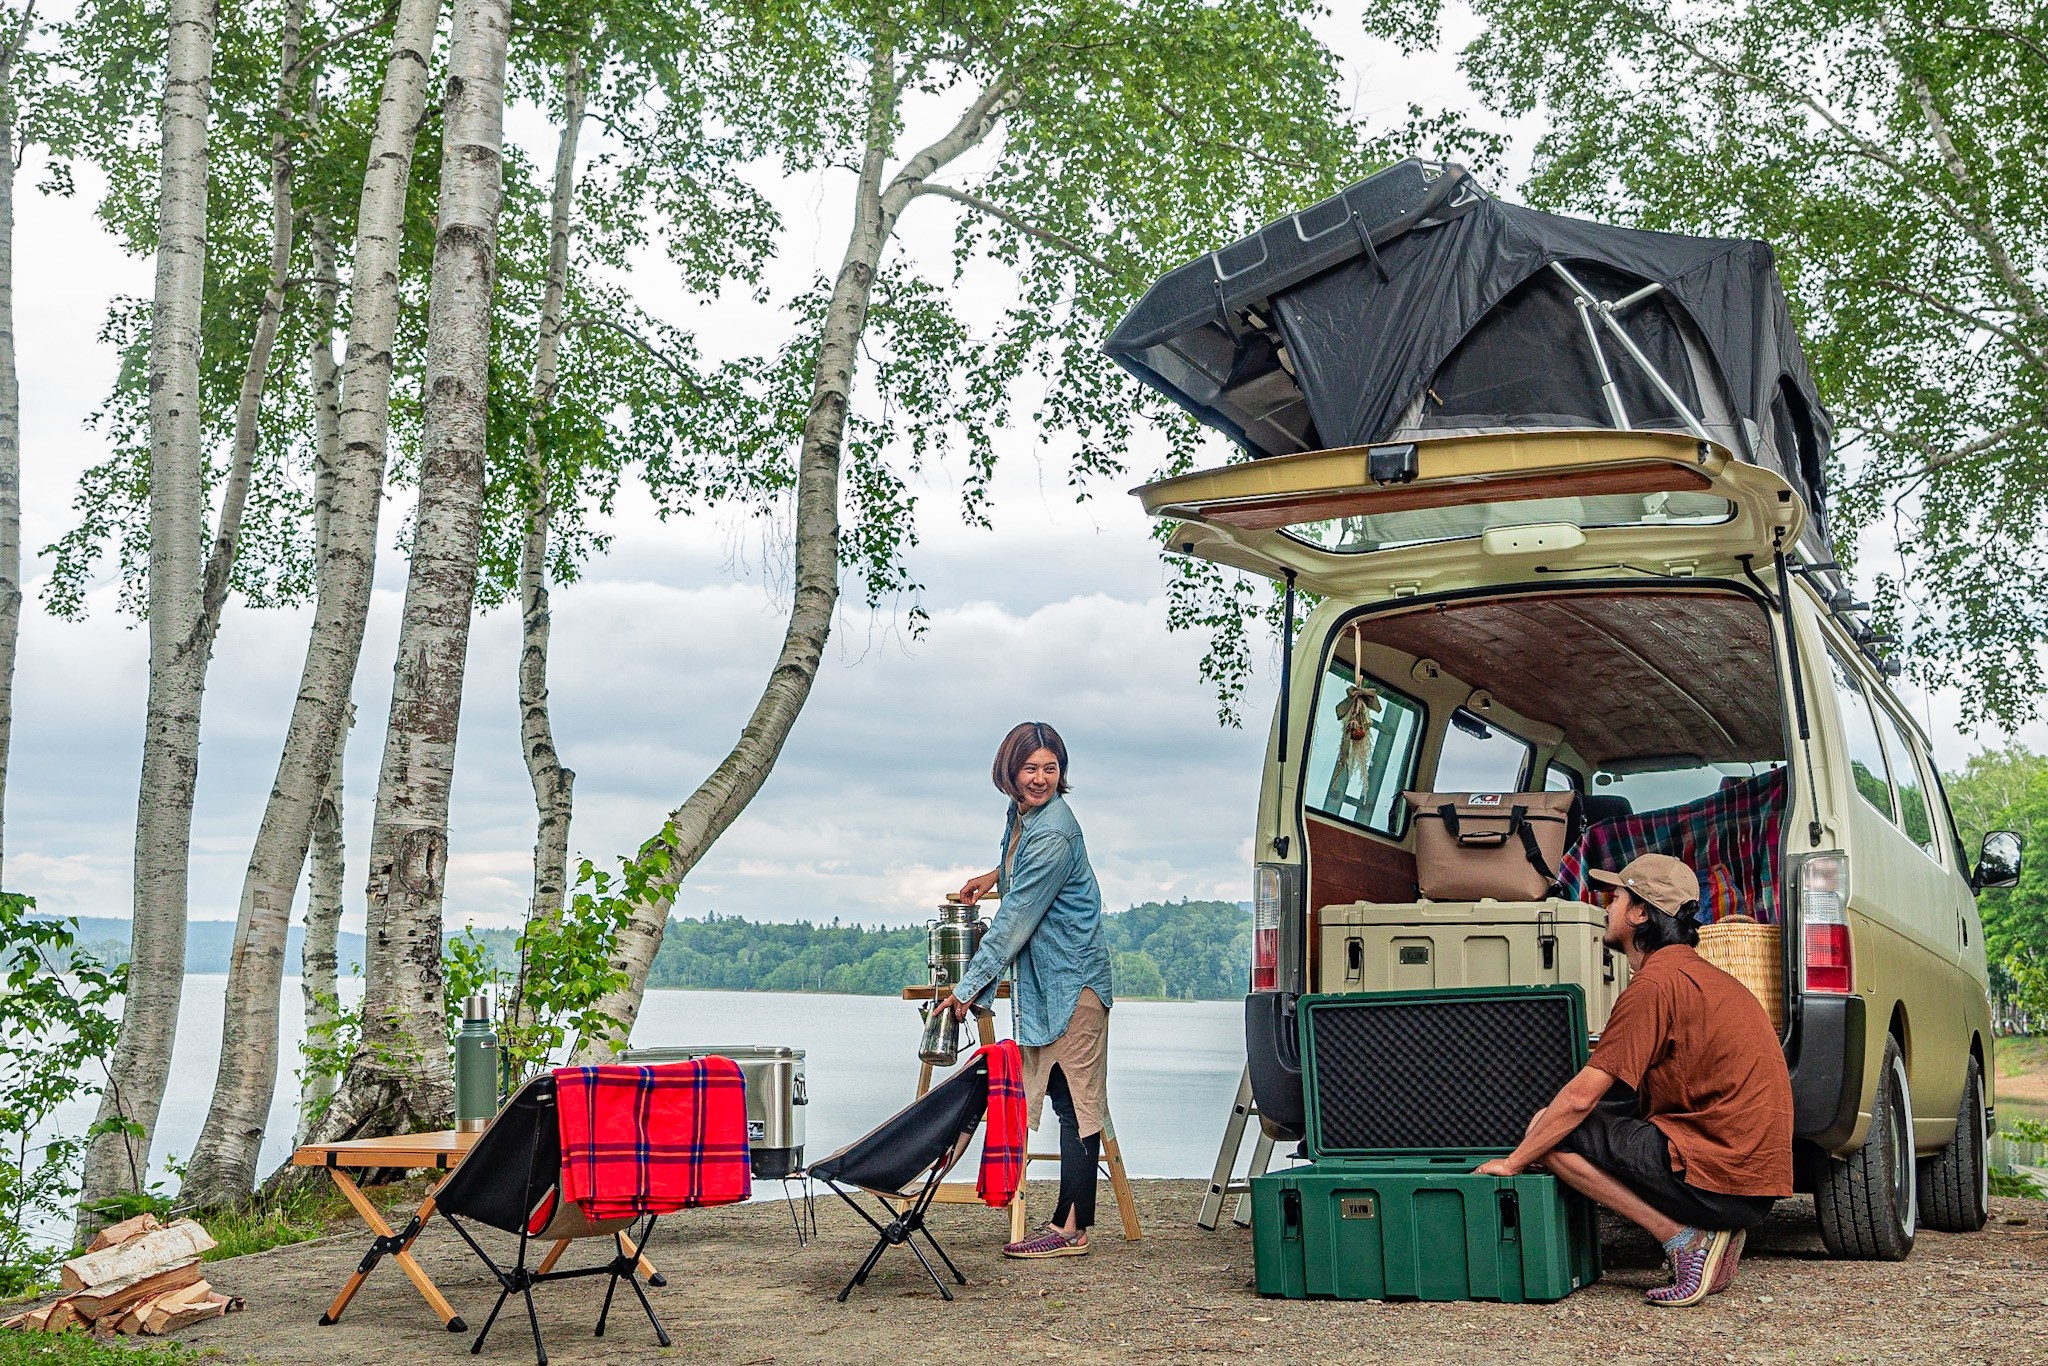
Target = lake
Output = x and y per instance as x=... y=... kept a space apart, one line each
x=1173 y=1072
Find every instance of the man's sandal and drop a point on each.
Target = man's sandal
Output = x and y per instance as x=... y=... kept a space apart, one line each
x=1693 y=1269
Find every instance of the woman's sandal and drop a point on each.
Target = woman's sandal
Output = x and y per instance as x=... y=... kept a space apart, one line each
x=1049 y=1242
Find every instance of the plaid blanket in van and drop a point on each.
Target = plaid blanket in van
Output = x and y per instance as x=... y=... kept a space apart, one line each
x=1730 y=839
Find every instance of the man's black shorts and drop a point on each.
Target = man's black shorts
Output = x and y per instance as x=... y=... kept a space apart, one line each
x=1619 y=1141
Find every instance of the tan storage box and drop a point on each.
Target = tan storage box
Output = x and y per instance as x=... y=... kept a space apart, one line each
x=1416 y=946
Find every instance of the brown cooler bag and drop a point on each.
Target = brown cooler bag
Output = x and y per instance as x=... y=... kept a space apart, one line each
x=1503 y=845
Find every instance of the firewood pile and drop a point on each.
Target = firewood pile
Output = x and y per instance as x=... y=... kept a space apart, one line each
x=137 y=1276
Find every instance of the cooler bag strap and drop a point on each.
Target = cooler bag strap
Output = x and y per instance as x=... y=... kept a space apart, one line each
x=1530 y=846
x=1448 y=813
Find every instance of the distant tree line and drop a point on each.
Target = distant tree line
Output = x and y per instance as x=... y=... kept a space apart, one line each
x=1186 y=950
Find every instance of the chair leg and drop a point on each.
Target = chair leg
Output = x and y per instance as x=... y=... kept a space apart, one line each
x=861 y=1275
x=918 y=1252
x=942 y=1254
x=476 y=1348
x=660 y=1332
x=610 y=1287
x=540 y=1353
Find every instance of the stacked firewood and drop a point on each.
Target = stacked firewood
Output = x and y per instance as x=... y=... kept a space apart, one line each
x=137 y=1276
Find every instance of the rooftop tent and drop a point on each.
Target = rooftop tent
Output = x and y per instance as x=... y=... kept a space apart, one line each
x=1415 y=304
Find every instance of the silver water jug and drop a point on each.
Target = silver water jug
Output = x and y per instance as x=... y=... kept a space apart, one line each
x=950 y=943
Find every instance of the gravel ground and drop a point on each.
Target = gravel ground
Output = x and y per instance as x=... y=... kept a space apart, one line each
x=741 y=1291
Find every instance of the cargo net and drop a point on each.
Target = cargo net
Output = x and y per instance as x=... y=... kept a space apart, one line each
x=1427 y=1075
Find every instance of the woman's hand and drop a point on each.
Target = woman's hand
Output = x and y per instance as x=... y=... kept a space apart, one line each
x=958 y=1008
x=975 y=888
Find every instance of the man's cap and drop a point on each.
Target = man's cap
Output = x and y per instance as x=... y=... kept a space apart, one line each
x=1663 y=881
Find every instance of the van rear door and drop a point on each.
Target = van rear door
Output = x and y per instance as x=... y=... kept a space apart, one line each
x=1482 y=509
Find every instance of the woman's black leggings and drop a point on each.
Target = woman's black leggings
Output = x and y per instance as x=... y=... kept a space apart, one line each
x=1078 y=1156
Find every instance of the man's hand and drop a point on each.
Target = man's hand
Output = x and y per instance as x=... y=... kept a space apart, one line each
x=1499 y=1166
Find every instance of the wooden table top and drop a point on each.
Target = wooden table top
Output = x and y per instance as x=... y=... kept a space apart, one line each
x=925 y=993
x=439 y=1149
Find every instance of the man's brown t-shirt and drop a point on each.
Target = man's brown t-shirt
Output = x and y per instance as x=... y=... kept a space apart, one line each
x=1698 y=1048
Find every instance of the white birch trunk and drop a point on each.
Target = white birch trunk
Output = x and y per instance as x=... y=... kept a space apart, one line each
x=223 y=1166
x=178 y=643
x=10 y=422
x=400 y=1078
x=553 y=785
x=246 y=1045
x=319 y=966
x=695 y=825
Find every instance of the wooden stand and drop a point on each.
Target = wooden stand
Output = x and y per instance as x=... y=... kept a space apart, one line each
x=963 y=1192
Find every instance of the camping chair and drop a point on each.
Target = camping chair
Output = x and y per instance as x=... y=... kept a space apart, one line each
x=901 y=1162
x=511 y=1181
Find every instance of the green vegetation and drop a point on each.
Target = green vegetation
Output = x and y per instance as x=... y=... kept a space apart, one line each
x=1187 y=950
x=79 y=1349
x=2008 y=790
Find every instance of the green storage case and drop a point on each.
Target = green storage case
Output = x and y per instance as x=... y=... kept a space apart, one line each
x=1406 y=1092
x=1413 y=1228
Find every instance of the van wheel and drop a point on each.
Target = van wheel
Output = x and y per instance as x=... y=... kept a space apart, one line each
x=1866 y=1202
x=1955 y=1185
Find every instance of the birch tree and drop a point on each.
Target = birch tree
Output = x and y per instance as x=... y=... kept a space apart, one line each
x=1082 y=146
x=178 y=641
x=399 y=1077
x=1894 y=154
x=349 y=475
x=16 y=27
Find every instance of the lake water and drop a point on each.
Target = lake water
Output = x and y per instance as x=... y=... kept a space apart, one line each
x=1173 y=1069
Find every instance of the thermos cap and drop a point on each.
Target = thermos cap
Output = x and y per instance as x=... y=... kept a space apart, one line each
x=476 y=1007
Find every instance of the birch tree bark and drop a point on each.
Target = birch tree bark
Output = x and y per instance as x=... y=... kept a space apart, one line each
x=10 y=413
x=694 y=826
x=553 y=784
x=319 y=966
x=178 y=641
x=223 y=1165
x=399 y=1078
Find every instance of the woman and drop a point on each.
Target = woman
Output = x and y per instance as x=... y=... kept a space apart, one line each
x=1050 y=927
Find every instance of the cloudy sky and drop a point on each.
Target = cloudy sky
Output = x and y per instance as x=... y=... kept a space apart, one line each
x=881 y=802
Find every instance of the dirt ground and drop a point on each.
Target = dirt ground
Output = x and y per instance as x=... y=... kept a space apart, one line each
x=741 y=1291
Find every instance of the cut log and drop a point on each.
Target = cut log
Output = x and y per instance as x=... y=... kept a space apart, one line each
x=61 y=1315
x=113 y=1235
x=117 y=1297
x=138 y=1256
x=168 y=1318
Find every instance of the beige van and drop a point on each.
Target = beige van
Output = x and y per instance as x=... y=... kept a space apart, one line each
x=1640 y=614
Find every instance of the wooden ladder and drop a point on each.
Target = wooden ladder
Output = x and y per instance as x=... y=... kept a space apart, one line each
x=1223 y=1181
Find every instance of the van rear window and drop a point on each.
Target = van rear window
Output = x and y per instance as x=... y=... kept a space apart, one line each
x=1421 y=526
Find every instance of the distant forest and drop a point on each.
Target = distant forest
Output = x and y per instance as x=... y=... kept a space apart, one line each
x=1182 y=951
x=1186 y=950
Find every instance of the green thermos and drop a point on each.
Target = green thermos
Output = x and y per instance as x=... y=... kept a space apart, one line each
x=476 y=1066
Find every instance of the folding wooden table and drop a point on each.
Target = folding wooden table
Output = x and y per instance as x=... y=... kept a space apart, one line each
x=440 y=1150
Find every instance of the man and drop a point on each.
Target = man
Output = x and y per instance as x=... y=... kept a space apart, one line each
x=1681 y=1121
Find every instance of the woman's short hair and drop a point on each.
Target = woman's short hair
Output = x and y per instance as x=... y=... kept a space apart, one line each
x=1661 y=931
x=1021 y=743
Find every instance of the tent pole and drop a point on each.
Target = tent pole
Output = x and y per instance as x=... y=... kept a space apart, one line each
x=1587 y=302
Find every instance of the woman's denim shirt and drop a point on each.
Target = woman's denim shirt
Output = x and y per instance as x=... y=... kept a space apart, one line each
x=1049 y=925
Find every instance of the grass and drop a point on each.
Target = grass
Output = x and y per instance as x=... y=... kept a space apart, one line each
x=2019 y=1055
x=79 y=1349
x=300 y=1215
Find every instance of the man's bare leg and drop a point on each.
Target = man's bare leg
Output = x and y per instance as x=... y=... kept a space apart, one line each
x=1611 y=1193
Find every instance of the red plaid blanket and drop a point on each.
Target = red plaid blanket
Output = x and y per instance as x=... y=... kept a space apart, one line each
x=647 y=1140
x=1730 y=840
x=1002 y=1144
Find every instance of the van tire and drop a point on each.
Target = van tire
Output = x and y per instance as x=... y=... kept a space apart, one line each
x=1955 y=1183
x=1867 y=1201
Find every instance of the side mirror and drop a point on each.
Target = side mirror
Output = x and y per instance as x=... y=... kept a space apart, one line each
x=1999 y=863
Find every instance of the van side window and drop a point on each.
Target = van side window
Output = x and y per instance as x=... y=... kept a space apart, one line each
x=1914 y=815
x=1866 y=752
x=1558 y=778
x=1364 y=789
x=1480 y=757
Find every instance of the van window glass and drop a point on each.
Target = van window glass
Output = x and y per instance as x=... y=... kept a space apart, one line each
x=1362 y=783
x=1654 y=789
x=1421 y=526
x=1914 y=816
x=1558 y=778
x=1866 y=753
x=1480 y=757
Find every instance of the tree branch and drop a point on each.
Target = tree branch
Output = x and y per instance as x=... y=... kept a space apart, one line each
x=19 y=40
x=312 y=50
x=1029 y=229
x=1938 y=460
x=660 y=357
x=2040 y=53
x=1940 y=305
x=1284 y=163
x=974 y=125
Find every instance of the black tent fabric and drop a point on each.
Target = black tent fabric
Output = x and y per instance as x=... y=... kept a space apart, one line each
x=1437 y=307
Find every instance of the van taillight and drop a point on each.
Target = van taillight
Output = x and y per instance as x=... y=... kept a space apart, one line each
x=1266 y=928
x=1823 y=882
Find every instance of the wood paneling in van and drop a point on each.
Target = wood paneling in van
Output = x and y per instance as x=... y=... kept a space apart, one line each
x=1345 y=865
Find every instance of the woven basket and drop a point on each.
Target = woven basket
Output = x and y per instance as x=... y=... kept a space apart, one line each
x=1753 y=954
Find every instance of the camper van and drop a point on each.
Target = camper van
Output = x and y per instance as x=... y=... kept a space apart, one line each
x=1551 y=494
